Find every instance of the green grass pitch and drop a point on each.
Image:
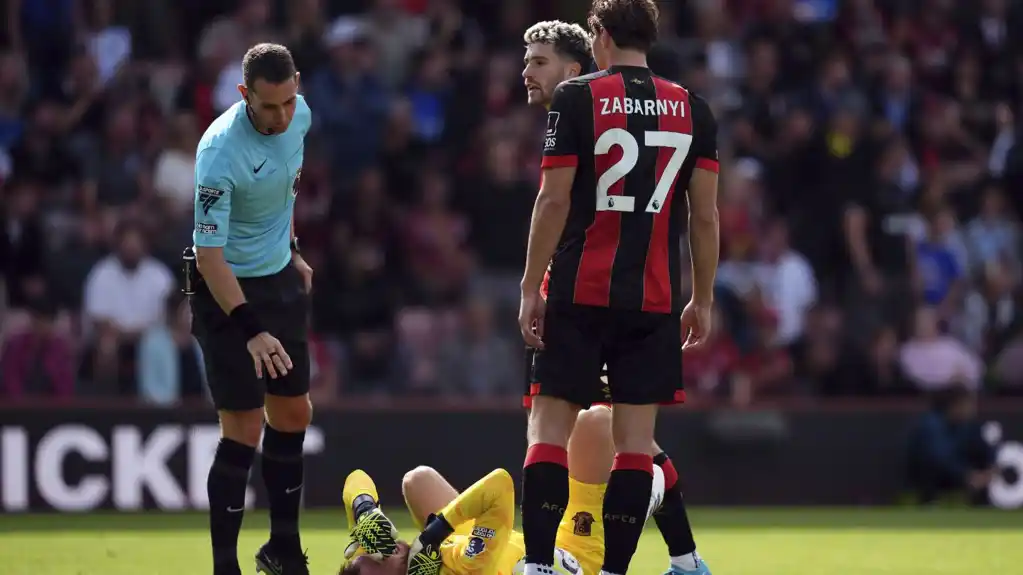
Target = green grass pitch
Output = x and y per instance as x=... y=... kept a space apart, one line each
x=734 y=542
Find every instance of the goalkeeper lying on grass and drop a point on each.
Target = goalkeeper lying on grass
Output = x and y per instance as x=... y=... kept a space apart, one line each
x=472 y=532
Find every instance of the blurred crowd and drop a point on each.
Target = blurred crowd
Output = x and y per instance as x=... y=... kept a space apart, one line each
x=871 y=188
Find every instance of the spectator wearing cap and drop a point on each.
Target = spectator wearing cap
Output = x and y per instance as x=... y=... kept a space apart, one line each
x=350 y=101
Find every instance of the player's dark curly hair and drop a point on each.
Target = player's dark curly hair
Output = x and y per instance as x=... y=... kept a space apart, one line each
x=270 y=62
x=569 y=40
x=632 y=24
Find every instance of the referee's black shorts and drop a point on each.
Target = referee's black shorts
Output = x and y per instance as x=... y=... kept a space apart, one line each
x=642 y=352
x=282 y=304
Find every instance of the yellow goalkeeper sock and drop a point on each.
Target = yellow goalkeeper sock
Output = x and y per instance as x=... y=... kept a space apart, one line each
x=357 y=484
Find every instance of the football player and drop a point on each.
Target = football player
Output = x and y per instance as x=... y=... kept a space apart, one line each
x=473 y=531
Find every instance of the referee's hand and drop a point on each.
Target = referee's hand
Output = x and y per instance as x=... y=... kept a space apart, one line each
x=266 y=350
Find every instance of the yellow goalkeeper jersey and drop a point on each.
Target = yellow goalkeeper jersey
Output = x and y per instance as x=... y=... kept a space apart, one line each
x=485 y=542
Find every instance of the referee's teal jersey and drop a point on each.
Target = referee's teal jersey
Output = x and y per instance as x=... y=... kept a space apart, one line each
x=245 y=188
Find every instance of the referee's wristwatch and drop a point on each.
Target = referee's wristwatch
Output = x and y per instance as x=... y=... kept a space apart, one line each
x=294 y=246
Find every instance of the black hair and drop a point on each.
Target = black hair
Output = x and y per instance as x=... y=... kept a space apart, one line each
x=632 y=24
x=568 y=40
x=269 y=62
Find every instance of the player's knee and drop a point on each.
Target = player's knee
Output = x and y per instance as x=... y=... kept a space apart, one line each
x=292 y=414
x=594 y=422
x=416 y=480
x=633 y=427
x=245 y=427
x=501 y=480
x=591 y=449
x=551 y=421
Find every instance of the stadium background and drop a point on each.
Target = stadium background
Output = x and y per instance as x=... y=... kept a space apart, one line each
x=414 y=205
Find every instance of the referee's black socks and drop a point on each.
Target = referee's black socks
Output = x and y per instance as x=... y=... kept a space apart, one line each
x=672 y=519
x=282 y=467
x=625 y=507
x=544 y=498
x=225 y=489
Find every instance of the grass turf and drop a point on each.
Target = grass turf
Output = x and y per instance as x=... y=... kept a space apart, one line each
x=733 y=541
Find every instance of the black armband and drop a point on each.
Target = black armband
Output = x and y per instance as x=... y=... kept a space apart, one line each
x=246 y=320
x=436 y=531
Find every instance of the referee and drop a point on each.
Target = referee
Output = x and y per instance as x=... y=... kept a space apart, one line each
x=251 y=304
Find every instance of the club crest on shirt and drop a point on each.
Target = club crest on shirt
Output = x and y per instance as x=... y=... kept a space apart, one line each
x=552 y=123
x=582 y=524
x=294 y=186
x=476 y=546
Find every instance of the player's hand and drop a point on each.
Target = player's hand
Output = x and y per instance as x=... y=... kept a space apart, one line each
x=305 y=270
x=532 y=309
x=266 y=350
x=696 y=325
x=375 y=534
x=423 y=559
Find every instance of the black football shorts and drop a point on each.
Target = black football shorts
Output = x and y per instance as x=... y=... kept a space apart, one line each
x=642 y=353
x=282 y=304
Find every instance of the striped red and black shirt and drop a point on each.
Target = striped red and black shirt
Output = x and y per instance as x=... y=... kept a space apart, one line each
x=636 y=139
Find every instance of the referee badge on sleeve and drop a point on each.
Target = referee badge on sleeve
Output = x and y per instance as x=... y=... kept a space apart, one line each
x=208 y=196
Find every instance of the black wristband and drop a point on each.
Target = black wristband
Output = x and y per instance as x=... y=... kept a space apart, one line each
x=246 y=319
x=437 y=530
x=362 y=505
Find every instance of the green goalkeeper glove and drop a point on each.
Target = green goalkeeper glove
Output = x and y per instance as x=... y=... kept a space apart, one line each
x=423 y=559
x=375 y=534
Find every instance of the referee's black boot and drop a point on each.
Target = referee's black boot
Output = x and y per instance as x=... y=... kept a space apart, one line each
x=271 y=562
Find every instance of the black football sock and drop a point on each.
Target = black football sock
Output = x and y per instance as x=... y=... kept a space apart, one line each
x=625 y=507
x=672 y=519
x=283 y=475
x=225 y=490
x=544 y=498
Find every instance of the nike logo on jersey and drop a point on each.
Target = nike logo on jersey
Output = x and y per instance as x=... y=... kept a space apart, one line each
x=291 y=490
x=256 y=169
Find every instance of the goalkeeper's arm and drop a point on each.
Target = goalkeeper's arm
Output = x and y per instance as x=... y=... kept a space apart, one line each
x=490 y=504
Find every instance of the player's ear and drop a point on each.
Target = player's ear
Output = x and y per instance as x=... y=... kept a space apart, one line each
x=574 y=70
x=244 y=92
x=298 y=81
